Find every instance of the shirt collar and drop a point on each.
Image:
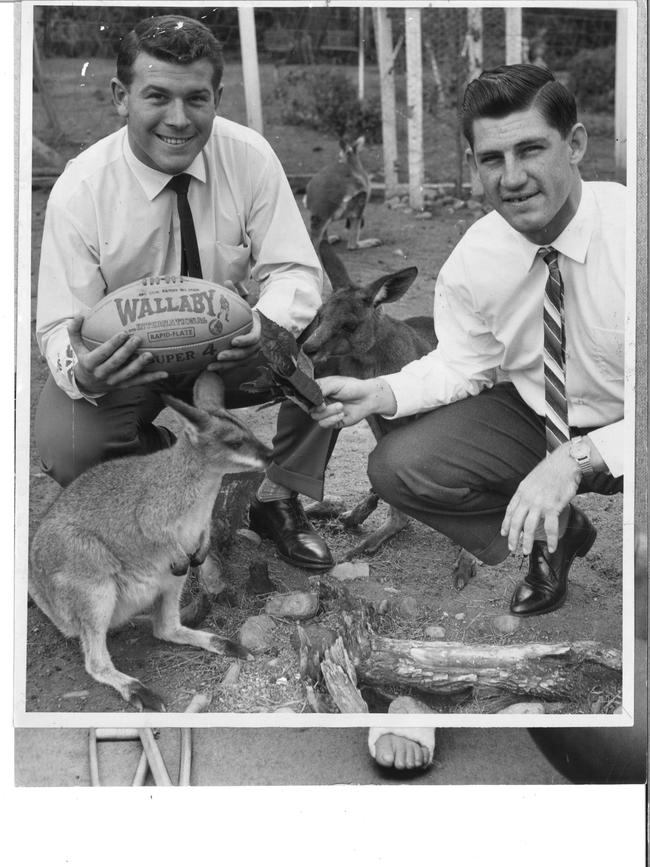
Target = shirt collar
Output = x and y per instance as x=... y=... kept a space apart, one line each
x=573 y=241
x=151 y=180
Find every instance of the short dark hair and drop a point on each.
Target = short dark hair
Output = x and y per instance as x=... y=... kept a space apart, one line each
x=517 y=87
x=172 y=38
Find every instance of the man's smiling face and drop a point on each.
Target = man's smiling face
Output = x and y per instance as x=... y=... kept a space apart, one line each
x=169 y=109
x=529 y=171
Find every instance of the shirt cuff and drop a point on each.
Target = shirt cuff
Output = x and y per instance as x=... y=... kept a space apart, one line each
x=609 y=441
x=408 y=394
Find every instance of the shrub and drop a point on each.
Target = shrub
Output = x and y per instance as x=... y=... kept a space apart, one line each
x=325 y=99
x=592 y=72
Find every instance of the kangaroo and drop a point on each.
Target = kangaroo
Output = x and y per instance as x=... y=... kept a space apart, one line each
x=121 y=538
x=354 y=337
x=340 y=190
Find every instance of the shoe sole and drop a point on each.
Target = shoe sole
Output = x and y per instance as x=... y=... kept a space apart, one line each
x=579 y=552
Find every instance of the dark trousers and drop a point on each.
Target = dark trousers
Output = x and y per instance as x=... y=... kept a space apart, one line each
x=457 y=467
x=72 y=435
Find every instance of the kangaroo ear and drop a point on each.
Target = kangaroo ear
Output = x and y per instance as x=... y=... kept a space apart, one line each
x=391 y=287
x=209 y=392
x=334 y=268
x=359 y=144
x=194 y=420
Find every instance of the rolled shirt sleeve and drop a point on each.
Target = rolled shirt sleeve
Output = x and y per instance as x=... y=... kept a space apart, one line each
x=463 y=364
x=285 y=263
x=69 y=283
x=610 y=442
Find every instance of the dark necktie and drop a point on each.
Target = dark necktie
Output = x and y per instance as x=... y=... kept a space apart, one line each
x=190 y=258
x=557 y=422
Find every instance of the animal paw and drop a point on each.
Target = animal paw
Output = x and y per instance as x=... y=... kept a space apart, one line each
x=179 y=567
x=463 y=569
x=230 y=648
x=144 y=698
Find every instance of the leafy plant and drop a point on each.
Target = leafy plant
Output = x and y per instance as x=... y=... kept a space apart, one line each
x=325 y=99
x=592 y=72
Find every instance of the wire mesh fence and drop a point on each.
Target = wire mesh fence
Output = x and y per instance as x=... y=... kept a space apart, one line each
x=309 y=65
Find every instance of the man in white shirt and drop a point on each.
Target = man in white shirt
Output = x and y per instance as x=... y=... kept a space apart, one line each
x=475 y=462
x=112 y=219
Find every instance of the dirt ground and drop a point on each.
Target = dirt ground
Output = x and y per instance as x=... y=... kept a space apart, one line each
x=410 y=579
x=413 y=573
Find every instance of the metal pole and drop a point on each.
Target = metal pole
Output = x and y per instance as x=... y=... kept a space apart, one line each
x=250 y=67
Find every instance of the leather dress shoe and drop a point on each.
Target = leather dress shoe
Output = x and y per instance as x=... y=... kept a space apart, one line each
x=545 y=586
x=285 y=522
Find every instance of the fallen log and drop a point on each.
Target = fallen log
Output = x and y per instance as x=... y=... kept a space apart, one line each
x=341 y=680
x=546 y=671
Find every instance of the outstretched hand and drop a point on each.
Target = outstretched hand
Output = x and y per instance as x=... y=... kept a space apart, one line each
x=352 y=400
x=111 y=365
x=540 y=499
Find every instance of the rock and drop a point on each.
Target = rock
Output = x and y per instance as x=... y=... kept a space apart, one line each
x=350 y=571
x=460 y=616
x=231 y=676
x=284 y=710
x=435 y=632
x=298 y=605
x=249 y=536
x=79 y=693
x=257 y=633
x=506 y=624
x=399 y=252
x=407 y=606
x=524 y=707
x=424 y=215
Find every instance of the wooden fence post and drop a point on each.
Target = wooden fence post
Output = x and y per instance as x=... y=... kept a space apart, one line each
x=250 y=68
x=513 y=35
x=620 y=106
x=414 y=107
x=384 y=42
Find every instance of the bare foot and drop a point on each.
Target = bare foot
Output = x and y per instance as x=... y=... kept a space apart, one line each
x=404 y=748
x=403 y=754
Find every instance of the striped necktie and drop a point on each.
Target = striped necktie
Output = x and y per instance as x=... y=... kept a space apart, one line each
x=190 y=258
x=557 y=424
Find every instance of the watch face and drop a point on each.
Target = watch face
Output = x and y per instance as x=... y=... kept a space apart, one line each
x=580 y=451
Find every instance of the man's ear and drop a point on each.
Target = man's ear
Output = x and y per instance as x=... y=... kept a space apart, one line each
x=477 y=186
x=120 y=97
x=577 y=143
x=217 y=96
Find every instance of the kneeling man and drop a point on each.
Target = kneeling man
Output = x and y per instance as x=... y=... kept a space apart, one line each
x=520 y=407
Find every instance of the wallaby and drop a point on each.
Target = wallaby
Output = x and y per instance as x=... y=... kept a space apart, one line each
x=340 y=191
x=121 y=538
x=354 y=337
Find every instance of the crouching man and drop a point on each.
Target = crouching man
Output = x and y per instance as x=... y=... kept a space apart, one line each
x=520 y=407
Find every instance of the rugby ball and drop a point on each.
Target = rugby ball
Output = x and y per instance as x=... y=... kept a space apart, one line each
x=185 y=321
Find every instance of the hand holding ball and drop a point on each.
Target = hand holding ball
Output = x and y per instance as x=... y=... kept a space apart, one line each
x=183 y=322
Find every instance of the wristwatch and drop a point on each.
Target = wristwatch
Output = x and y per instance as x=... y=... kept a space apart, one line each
x=581 y=452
